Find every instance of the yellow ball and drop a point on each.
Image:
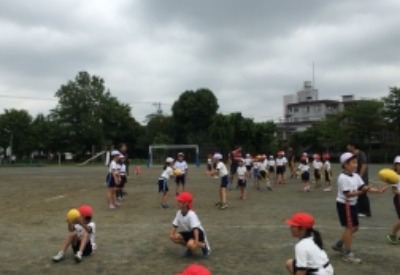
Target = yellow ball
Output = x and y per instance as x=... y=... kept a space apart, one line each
x=178 y=172
x=73 y=215
x=388 y=176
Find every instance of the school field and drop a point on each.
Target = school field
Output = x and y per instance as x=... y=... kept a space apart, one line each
x=250 y=237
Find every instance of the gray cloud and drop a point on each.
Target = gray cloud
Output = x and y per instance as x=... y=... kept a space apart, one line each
x=250 y=53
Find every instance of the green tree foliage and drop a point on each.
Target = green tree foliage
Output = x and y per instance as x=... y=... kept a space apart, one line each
x=90 y=116
x=16 y=131
x=192 y=114
x=159 y=129
x=391 y=111
x=222 y=132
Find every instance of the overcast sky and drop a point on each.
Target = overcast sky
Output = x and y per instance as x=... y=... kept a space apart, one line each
x=249 y=53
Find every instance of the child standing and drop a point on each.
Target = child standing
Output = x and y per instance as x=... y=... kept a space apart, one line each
x=81 y=236
x=113 y=179
x=271 y=165
x=223 y=174
x=163 y=181
x=310 y=258
x=256 y=172
x=304 y=169
x=350 y=186
x=263 y=166
x=123 y=177
x=317 y=166
x=242 y=176
x=328 y=171
x=193 y=236
x=280 y=169
x=248 y=162
x=180 y=180
x=392 y=237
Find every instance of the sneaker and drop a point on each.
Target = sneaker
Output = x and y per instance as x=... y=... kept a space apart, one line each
x=392 y=239
x=188 y=253
x=78 y=257
x=58 y=257
x=337 y=248
x=218 y=203
x=205 y=250
x=223 y=206
x=361 y=215
x=164 y=206
x=269 y=188
x=111 y=206
x=327 y=189
x=351 y=258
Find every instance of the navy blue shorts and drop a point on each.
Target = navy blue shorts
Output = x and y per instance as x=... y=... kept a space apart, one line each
x=224 y=182
x=396 y=202
x=280 y=170
x=162 y=185
x=348 y=214
x=248 y=168
x=328 y=175
x=317 y=174
x=189 y=235
x=86 y=251
x=256 y=173
x=305 y=176
x=110 y=180
x=242 y=182
x=180 y=179
x=263 y=174
x=272 y=169
x=123 y=181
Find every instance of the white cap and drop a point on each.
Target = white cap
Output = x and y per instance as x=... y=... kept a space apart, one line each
x=169 y=160
x=115 y=153
x=217 y=156
x=121 y=156
x=345 y=157
x=396 y=159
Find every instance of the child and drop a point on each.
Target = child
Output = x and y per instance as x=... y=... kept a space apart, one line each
x=263 y=166
x=193 y=236
x=392 y=238
x=123 y=177
x=81 y=236
x=223 y=173
x=328 y=171
x=163 y=181
x=256 y=172
x=280 y=169
x=350 y=186
x=317 y=166
x=209 y=163
x=271 y=165
x=304 y=168
x=180 y=164
x=310 y=258
x=242 y=175
x=248 y=162
x=113 y=179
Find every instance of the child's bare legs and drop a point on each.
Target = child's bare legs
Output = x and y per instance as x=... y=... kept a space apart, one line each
x=347 y=237
x=396 y=228
x=177 y=238
x=222 y=195
x=242 y=192
x=191 y=244
x=111 y=197
x=164 y=198
x=71 y=238
x=289 y=266
x=278 y=179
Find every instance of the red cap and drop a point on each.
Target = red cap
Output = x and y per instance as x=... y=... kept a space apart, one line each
x=195 y=269
x=301 y=219
x=85 y=210
x=185 y=197
x=326 y=156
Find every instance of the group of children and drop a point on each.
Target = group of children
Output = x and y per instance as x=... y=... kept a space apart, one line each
x=310 y=258
x=320 y=168
x=116 y=179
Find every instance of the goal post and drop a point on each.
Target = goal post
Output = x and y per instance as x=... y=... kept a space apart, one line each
x=174 y=146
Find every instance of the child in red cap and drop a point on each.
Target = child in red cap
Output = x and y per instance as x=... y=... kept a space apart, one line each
x=195 y=269
x=193 y=236
x=310 y=258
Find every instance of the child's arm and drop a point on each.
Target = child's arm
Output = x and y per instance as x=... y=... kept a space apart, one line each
x=363 y=189
x=196 y=236
x=172 y=232
x=373 y=189
x=395 y=190
x=301 y=272
x=87 y=228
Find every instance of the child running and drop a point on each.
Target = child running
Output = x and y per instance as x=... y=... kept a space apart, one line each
x=328 y=172
x=310 y=258
x=350 y=186
x=81 y=236
x=242 y=175
x=180 y=179
x=193 y=236
x=223 y=173
x=263 y=166
x=163 y=181
x=392 y=237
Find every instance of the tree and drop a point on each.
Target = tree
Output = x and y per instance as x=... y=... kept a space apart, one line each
x=391 y=111
x=192 y=115
x=90 y=116
x=16 y=131
x=222 y=132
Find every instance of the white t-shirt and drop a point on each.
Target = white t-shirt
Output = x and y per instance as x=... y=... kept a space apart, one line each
x=181 y=165
x=263 y=165
x=256 y=165
x=247 y=161
x=113 y=166
x=80 y=231
x=304 y=167
x=348 y=183
x=309 y=255
x=271 y=162
x=222 y=169
x=317 y=165
x=327 y=166
x=280 y=162
x=285 y=161
x=241 y=172
x=189 y=222
x=122 y=169
x=167 y=173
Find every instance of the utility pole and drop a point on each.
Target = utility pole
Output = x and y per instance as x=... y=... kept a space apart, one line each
x=159 y=110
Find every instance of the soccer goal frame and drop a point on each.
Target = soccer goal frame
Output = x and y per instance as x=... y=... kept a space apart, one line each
x=173 y=146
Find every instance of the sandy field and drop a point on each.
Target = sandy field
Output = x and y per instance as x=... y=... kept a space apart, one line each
x=250 y=237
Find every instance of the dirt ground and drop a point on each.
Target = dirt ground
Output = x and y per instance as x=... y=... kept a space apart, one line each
x=250 y=237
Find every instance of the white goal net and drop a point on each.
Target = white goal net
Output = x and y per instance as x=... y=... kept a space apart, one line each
x=158 y=153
